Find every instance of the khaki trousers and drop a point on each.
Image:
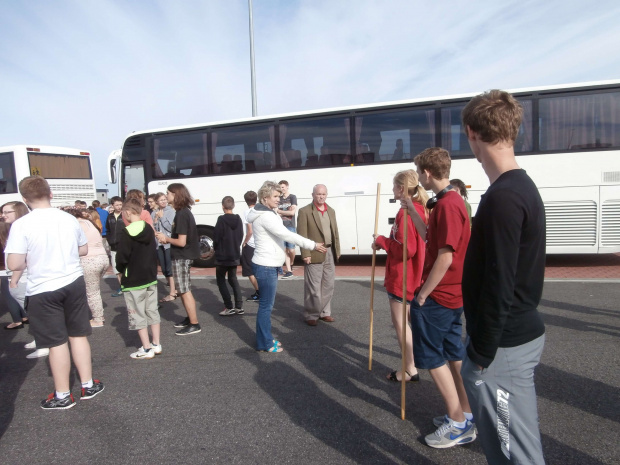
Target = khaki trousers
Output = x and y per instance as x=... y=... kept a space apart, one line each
x=319 y=287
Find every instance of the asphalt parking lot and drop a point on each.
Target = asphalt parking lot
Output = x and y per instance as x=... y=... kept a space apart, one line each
x=211 y=398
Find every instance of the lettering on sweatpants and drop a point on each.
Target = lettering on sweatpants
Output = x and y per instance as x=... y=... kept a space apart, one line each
x=503 y=421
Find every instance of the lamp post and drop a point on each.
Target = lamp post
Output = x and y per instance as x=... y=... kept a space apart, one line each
x=252 y=72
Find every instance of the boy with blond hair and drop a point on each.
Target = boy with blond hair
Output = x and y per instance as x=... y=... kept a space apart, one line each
x=136 y=260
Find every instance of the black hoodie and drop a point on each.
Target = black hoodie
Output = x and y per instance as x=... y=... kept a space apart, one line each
x=136 y=256
x=227 y=239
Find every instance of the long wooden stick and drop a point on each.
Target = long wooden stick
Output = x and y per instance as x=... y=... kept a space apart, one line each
x=404 y=330
x=372 y=278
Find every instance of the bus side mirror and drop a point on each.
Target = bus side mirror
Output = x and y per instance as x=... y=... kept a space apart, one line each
x=112 y=172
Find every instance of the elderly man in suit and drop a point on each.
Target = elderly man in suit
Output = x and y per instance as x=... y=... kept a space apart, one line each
x=317 y=222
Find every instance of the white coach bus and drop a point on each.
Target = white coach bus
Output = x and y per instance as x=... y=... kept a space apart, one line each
x=569 y=143
x=68 y=172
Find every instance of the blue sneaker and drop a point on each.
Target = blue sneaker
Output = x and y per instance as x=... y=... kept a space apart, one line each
x=449 y=435
x=438 y=421
x=118 y=293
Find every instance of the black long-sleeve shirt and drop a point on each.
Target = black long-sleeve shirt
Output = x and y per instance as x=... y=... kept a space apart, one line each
x=504 y=268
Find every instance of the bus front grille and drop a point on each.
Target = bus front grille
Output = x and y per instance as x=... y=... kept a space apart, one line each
x=571 y=223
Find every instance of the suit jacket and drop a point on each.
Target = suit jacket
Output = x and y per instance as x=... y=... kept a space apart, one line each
x=309 y=225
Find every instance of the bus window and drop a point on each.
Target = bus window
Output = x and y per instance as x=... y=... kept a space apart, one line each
x=8 y=183
x=580 y=122
x=453 y=137
x=53 y=166
x=241 y=149
x=525 y=141
x=180 y=154
x=316 y=142
x=396 y=136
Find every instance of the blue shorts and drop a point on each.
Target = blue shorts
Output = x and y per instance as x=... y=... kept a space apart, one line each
x=397 y=298
x=289 y=245
x=437 y=334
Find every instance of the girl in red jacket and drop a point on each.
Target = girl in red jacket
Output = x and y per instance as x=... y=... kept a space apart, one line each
x=393 y=245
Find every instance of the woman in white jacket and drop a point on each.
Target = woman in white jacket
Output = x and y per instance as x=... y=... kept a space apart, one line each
x=269 y=236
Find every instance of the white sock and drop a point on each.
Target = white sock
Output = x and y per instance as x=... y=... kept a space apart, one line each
x=460 y=424
x=88 y=384
x=468 y=416
x=62 y=395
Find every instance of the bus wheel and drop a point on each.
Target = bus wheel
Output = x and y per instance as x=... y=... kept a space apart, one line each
x=207 y=253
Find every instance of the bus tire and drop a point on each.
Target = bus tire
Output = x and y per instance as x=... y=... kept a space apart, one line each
x=207 y=253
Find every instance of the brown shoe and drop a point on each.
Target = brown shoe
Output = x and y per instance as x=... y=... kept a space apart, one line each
x=311 y=322
x=329 y=319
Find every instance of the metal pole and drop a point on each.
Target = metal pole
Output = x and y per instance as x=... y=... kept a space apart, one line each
x=252 y=72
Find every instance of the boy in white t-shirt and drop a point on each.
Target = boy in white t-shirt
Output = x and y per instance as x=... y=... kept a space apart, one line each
x=55 y=292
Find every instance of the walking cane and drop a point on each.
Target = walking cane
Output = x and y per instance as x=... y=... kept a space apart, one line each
x=404 y=335
x=372 y=278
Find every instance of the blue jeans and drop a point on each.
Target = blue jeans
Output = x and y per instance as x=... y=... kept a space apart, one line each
x=165 y=262
x=15 y=309
x=290 y=245
x=267 y=277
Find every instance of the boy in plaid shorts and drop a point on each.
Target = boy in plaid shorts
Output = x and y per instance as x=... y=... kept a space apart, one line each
x=136 y=260
x=184 y=249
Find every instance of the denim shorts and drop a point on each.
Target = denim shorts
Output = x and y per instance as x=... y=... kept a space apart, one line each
x=397 y=298
x=437 y=334
x=290 y=245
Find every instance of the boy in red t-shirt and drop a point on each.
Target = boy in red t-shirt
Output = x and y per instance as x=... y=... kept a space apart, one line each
x=438 y=305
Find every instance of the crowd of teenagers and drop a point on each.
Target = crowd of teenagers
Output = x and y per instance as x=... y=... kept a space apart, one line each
x=491 y=271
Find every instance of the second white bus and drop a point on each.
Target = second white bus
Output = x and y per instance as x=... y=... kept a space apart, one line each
x=68 y=172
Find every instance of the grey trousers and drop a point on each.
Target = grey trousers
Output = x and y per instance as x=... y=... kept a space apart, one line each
x=503 y=402
x=319 y=287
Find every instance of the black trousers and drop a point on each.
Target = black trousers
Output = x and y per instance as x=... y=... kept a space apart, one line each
x=220 y=274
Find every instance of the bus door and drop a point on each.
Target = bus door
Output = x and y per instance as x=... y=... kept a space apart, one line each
x=132 y=177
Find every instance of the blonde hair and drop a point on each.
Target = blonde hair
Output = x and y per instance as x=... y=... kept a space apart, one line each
x=267 y=189
x=415 y=191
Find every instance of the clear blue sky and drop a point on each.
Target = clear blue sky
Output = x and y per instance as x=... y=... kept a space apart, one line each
x=86 y=73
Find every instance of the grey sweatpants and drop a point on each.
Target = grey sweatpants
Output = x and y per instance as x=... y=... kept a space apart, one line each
x=503 y=402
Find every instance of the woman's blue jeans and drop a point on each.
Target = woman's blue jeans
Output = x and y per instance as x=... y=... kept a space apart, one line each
x=267 y=277
x=15 y=309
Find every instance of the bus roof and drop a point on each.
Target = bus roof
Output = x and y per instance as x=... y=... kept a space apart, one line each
x=46 y=149
x=395 y=103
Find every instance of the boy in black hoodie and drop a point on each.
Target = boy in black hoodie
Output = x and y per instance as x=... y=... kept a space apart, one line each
x=136 y=260
x=227 y=244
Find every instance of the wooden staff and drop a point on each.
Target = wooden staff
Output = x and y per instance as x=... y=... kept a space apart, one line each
x=372 y=277
x=404 y=335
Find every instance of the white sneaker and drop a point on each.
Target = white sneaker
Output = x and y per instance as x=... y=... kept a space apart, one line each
x=141 y=353
x=156 y=348
x=39 y=353
x=228 y=312
x=449 y=435
x=31 y=345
